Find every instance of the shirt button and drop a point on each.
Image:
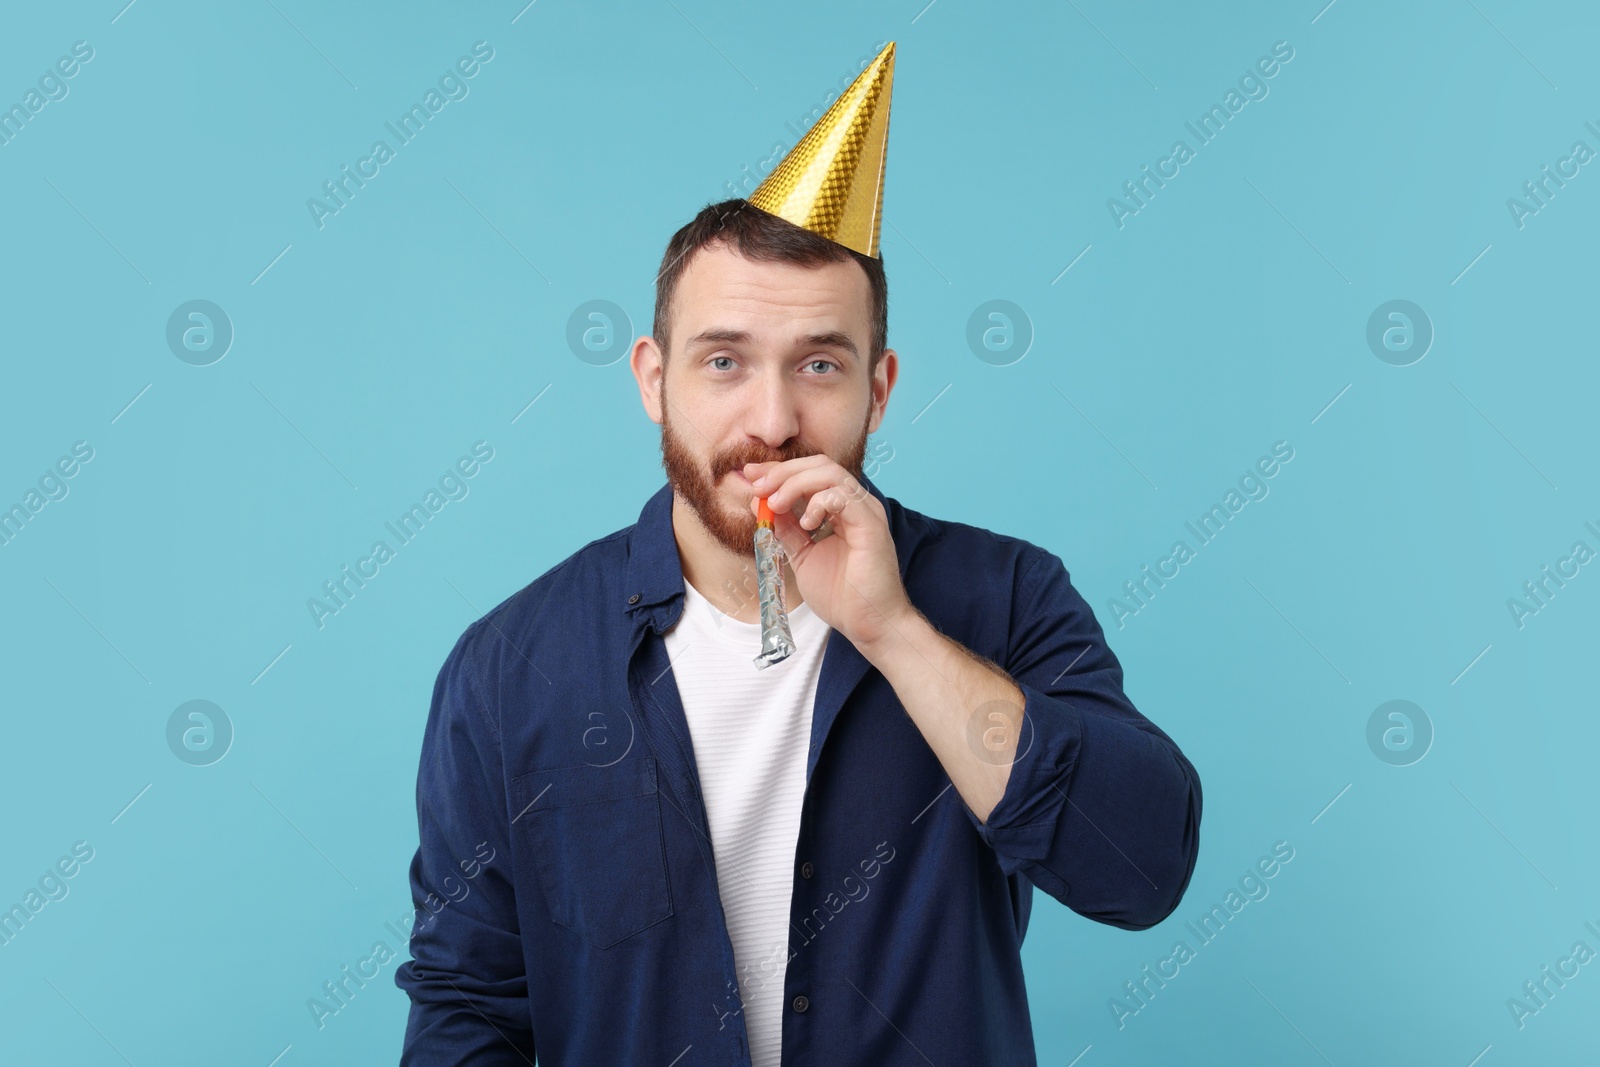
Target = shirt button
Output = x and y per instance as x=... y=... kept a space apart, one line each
x=801 y=1003
x=634 y=599
x=805 y=869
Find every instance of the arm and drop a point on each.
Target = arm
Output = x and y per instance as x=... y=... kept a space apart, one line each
x=467 y=982
x=1100 y=808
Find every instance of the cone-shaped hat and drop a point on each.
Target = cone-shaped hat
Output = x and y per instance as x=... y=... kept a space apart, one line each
x=831 y=183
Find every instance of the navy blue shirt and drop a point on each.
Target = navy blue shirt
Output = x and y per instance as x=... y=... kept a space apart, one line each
x=565 y=883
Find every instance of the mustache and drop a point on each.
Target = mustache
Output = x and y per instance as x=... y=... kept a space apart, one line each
x=737 y=460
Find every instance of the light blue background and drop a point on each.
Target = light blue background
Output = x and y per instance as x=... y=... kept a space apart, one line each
x=426 y=315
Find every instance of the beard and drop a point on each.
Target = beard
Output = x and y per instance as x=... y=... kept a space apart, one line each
x=733 y=526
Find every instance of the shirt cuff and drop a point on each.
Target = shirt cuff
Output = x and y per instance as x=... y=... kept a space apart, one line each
x=1022 y=826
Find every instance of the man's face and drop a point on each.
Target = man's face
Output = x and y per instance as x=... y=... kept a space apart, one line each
x=768 y=362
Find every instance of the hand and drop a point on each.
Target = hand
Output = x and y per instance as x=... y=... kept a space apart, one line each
x=852 y=578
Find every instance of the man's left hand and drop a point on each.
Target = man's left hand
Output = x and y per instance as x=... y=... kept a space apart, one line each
x=851 y=579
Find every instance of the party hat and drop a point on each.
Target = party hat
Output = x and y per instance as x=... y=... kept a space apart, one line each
x=831 y=183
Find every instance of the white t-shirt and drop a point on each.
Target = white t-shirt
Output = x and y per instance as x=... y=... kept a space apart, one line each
x=751 y=730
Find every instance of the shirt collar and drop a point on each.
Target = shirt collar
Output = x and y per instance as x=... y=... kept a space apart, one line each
x=655 y=570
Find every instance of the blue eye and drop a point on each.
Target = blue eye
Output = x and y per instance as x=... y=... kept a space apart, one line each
x=824 y=363
x=719 y=359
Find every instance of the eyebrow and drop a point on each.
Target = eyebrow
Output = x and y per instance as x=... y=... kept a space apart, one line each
x=831 y=339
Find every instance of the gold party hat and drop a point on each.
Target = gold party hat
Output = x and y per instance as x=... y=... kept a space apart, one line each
x=831 y=183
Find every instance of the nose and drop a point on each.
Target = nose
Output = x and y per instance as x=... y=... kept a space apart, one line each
x=772 y=415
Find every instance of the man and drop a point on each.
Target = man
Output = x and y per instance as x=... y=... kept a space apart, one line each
x=831 y=860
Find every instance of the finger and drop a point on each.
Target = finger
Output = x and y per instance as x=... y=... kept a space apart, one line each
x=805 y=483
x=857 y=524
x=819 y=533
x=786 y=527
x=781 y=469
x=821 y=508
x=837 y=508
x=795 y=540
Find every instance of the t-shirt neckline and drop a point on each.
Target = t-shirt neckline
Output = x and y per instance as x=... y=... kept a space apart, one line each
x=712 y=619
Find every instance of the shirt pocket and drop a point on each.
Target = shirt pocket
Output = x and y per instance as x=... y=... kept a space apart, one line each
x=595 y=837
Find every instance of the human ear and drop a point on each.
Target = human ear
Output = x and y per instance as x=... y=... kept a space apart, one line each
x=648 y=366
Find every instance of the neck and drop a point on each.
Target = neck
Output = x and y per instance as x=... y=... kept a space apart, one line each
x=727 y=580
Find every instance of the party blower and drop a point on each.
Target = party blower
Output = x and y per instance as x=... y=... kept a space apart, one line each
x=777 y=642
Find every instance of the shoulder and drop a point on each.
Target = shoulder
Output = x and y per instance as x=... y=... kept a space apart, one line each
x=944 y=549
x=521 y=621
x=970 y=582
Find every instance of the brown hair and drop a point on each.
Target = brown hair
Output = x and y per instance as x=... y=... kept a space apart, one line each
x=760 y=236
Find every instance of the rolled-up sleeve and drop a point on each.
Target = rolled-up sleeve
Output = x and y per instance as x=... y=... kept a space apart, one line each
x=467 y=979
x=1101 y=809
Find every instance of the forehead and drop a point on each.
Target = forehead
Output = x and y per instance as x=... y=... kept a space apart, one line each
x=720 y=288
